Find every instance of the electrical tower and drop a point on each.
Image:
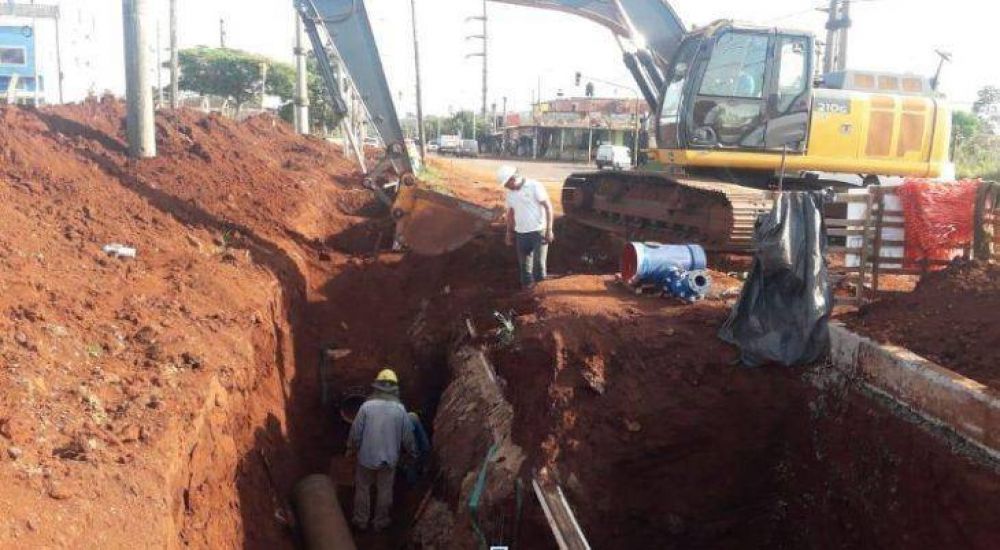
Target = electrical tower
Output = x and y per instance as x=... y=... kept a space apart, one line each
x=484 y=53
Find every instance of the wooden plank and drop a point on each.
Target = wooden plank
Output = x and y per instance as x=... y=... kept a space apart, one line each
x=562 y=521
x=859 y=197
x=893 y=213
x=843 y=232
x=863 y=263
x=890 y=271
x=856 y=250
x=844 y=197
x=879 y=221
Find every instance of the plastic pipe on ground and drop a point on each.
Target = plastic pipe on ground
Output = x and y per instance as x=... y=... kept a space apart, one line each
x=652 y=263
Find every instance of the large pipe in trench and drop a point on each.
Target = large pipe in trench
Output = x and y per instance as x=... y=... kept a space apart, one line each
x=320 y=517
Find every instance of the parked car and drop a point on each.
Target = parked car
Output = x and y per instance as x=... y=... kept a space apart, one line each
x=432 y=147
x=449 y=144
x=617 y=157
x=468 y=148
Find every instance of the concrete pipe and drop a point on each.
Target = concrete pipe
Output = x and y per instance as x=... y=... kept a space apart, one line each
x=320 y=517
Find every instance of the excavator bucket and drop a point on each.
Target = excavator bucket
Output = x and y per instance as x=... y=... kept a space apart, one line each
x=431 y=223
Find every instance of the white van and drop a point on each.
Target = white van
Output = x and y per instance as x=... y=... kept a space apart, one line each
x=617 y=157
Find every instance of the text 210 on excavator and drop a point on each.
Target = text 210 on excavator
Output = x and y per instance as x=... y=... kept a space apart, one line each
x=737 y=107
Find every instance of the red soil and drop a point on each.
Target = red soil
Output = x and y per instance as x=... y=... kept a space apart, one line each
x=134 y=392
x=950 y=318
x=150 y=385
x=662 y=442
x=173 y=399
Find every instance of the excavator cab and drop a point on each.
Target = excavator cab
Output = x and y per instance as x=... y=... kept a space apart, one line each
x=738 y=88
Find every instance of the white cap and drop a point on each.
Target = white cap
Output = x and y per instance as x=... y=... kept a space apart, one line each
x=505 y=172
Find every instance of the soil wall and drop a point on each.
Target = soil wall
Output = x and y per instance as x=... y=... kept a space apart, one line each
x=153 y=401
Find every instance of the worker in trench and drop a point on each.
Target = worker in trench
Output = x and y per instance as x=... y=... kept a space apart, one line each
x=381 y=429
x=529 y=223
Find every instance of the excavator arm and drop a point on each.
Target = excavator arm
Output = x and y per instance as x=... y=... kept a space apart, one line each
x=648 y=31
x=426 y=222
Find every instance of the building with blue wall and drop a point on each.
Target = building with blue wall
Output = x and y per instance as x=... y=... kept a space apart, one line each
x=17 y=62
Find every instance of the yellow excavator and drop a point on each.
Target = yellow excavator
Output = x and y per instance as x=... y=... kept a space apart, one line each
x=738 y=111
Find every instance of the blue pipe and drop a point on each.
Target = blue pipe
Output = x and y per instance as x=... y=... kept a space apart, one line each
x=653 y=263
x=689 y=286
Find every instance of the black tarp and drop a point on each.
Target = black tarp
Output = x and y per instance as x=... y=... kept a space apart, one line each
x=783 y=311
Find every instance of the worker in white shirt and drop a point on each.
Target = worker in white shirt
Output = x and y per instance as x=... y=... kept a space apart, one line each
x=529 y=223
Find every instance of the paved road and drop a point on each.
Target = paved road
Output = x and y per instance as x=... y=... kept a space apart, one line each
x=552 y=174
x=544 y=171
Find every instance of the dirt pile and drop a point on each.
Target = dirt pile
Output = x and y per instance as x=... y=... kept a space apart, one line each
x=133 y=392
x=661 y=441
x=950 y=318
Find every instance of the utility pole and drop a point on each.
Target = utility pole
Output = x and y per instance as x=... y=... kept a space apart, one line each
x=838 y=24
x=174 y=62
x=416 y=66
x=486 y=53
x=263 y=83
x=59 y=65
x=301 y=79
x=139 y=121
x=222 y=33
x=159 y=69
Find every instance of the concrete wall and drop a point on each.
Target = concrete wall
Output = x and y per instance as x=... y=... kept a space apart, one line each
x=961 y=405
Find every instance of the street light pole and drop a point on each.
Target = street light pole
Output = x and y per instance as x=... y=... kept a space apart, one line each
x=416 y=66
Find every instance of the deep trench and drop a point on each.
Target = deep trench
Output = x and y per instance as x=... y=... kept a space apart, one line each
x=804 y=467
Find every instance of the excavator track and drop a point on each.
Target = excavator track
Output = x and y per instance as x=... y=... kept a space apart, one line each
x=650 y=206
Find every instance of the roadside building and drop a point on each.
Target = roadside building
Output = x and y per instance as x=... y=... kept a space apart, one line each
x=572 y=128
x=19 y=81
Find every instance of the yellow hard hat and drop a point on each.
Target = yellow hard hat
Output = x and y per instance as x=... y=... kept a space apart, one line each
x=387 y=375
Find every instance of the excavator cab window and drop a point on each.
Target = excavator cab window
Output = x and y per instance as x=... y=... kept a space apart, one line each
x=729 y=110
x=788 y=107
x=752 y=92
x=672 y=103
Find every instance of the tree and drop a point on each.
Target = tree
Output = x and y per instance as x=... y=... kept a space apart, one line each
x=321 y=113
x=233 y=74
x=459 y=123
x=987 y=107
x=964 y=126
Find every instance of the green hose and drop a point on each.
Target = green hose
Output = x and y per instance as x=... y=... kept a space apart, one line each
x=477 y=493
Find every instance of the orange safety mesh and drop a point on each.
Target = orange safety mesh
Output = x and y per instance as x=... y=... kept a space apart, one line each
x=938 y=218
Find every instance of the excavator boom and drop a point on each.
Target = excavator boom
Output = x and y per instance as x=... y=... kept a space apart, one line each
x=651 y=28
x=426 y=222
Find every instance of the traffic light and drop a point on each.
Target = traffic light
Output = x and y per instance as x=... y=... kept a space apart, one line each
x=578 y=76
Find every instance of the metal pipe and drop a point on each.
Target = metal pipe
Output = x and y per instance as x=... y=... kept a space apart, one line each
x=320 y=517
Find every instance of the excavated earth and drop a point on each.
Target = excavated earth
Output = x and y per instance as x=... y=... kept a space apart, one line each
x=662 y=441
x=950 y=318
x=173 y=399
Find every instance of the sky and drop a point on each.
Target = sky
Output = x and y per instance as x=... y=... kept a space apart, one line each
x=530 y=49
